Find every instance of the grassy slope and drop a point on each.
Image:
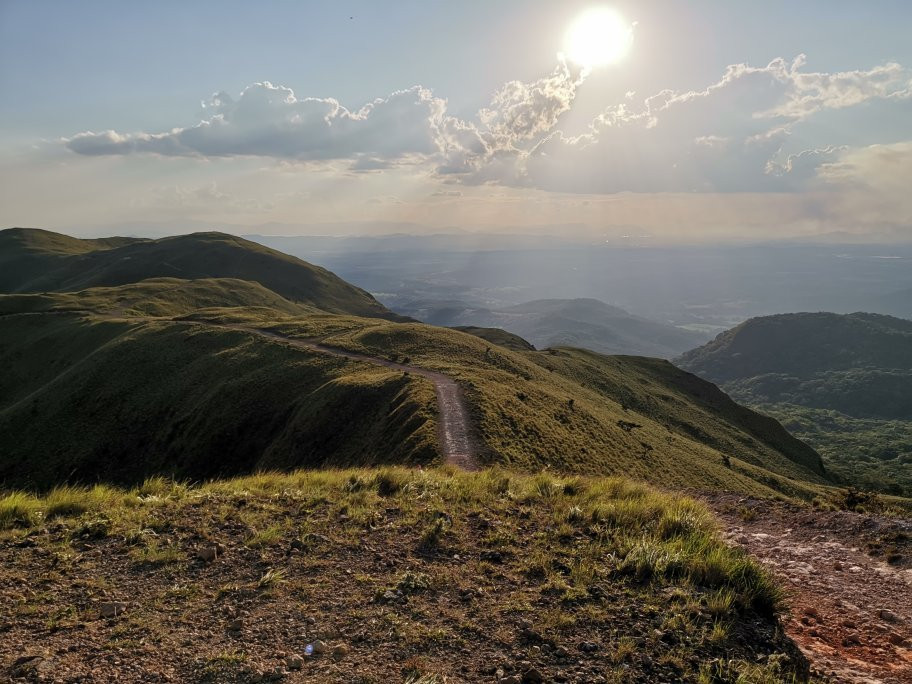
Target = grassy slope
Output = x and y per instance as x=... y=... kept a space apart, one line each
x=167 y=297
x=188 y=257
x=520 y=402
x=119 y=400
x=448 y=576
x=24 y=252
x=199 y=400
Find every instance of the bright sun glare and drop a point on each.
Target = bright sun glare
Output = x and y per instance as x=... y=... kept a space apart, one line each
x=599 y=36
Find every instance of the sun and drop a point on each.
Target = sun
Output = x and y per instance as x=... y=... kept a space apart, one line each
x=598 y=37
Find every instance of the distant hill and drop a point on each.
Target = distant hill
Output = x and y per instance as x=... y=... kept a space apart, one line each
x=587 y=323
x=41 y=261
x=497 y=336
x=841 y=382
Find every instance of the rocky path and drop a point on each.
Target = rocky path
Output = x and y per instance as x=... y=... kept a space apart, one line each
x=849 y=583
x=453 y=427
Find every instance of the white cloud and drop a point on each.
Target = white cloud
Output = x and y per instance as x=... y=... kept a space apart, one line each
x=268 y=120
x=729 y=137
x=735 y=135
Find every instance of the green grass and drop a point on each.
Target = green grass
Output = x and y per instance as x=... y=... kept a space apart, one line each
x=163 y=297
x=128 y=398
x=650 y=535
x=194 y=400
x=124 y=400
x=521 y=405
x=582 y=558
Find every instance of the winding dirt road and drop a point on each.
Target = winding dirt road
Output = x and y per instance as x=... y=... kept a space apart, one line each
x=453 y=426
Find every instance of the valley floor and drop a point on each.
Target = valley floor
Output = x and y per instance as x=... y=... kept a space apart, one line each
x=849 y=580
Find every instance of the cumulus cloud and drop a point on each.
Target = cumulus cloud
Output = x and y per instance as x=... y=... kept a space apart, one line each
x=735 y=135
x=729 y=137
x=270 y=121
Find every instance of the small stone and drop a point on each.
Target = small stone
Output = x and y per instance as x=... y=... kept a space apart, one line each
x=812 y=612
x=588 y=647
x=888 y=616
x=310 y=620
x=340 y=651
x=561 y=652
x=320 y=647
x=111 y=609
x=837 y=566
x=492 y=556
x=532 y=676
x=851 y=639
x=849 y=624
x=896 y=639
x=535 y=650
x=512 y=679
x=235 y=625
x=208 y=553
x=277 y=673
x=294 y=662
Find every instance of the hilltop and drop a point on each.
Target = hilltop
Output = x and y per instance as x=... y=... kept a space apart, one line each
x=40 y=261
x=840 y=382
x=586 y=323
x=391 y=575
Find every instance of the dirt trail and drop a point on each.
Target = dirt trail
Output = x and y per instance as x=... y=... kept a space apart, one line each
x=453 y=427
x=850 y=610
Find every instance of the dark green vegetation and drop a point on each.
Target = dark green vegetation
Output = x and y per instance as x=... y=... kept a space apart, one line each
x=843 y=383
x=448 y=577
x=40 y=261
x=87 y=399
x=587 y=323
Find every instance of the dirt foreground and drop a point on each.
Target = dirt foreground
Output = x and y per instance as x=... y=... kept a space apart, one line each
x=849 y=578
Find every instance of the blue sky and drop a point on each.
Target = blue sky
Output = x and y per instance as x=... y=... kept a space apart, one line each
x=725 y=119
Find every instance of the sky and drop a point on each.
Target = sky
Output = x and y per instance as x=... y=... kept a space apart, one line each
x=722 y=121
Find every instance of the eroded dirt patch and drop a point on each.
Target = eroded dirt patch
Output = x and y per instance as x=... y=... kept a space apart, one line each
x=849 y=578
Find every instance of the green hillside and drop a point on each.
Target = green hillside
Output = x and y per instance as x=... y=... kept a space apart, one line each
x=843 y=383
x=98 y=397
x=26 y=252
x=802 y=345
x=119 y=400
x=158 y=297
x=40 y=262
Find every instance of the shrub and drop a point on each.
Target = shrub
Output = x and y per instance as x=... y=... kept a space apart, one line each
x=18 y=510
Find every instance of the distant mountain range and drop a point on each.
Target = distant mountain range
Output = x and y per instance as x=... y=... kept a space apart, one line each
x=586 y=323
